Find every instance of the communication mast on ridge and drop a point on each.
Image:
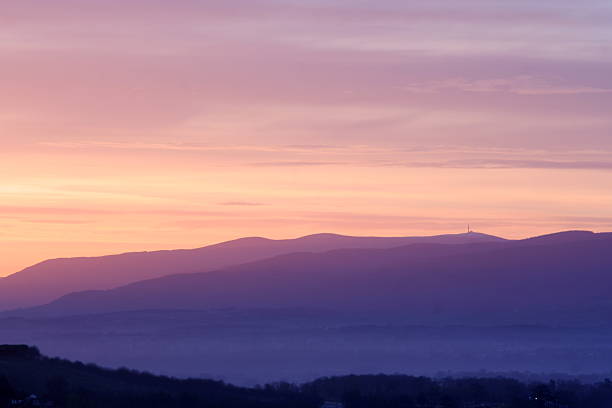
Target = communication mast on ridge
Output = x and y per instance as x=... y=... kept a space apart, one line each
x=468 y=229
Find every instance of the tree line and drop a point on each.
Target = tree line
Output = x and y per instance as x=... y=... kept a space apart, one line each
x=64 y=384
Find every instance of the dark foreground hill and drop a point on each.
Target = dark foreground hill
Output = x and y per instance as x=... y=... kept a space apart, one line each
x=390 y=391
x=74 y=384
x=27 y=376
x=51 y=279
x=557 y=279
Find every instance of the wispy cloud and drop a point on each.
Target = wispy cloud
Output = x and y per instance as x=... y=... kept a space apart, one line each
x=393 y=225
x=297 y=163
x=188 y=147
x=512 y=164
x=11 y=211
x=520 y=85
x=241 y=204
x=482 y=164
x=63 y=222
x=416 y=156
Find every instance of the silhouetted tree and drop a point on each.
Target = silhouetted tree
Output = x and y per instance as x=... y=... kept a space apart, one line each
x=6 y=391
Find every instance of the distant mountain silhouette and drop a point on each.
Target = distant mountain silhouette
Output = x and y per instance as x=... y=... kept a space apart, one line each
x=552 y=279
x=51 y=279
x=561 y=237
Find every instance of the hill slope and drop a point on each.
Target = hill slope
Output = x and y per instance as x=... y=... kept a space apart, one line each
x=551 y=279
x=74 y=384
x=63 y=383
x=51 y=279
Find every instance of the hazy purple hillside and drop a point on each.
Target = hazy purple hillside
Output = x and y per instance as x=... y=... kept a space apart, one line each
x=251 y=347
x=561 y=278
x=51 y=279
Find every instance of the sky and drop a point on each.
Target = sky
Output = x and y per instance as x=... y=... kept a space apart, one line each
x=156 y=124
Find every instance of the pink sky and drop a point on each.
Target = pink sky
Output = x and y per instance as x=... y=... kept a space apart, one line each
x=155 y=124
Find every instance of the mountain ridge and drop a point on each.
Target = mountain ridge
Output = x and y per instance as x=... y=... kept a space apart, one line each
x=509 y=278
x=49 y=279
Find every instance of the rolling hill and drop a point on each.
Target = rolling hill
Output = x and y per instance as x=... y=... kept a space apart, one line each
x=565 y=277
x=29 y=379
x=51 y=279
x=54 y=382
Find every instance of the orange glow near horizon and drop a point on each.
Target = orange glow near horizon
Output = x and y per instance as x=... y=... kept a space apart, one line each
x=151 y=125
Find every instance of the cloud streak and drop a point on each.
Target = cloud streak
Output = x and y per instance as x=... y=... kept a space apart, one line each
x=513 y=164
x=240 y=204
x=376 y=156
x=481 y=164
x=520 y=85
x=188 y=147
